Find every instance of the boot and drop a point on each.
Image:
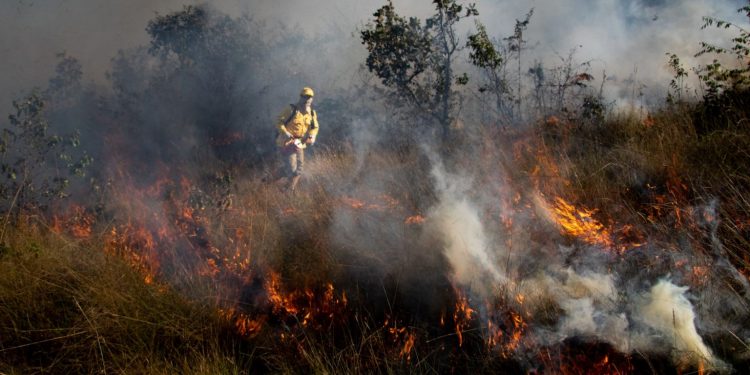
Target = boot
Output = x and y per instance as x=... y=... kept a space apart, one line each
x=293 y=183
x=281 y=183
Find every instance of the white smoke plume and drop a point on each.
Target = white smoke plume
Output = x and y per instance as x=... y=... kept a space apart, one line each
x=456 y=220
x=667 y=310
x=593 y=305
x=660 y=319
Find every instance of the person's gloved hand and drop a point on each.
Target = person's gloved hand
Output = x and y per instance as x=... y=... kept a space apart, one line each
x=310 y=140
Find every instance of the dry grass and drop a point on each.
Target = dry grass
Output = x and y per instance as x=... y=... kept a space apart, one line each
x=68 y=307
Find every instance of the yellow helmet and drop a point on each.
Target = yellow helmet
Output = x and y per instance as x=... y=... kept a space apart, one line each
x=306 y=91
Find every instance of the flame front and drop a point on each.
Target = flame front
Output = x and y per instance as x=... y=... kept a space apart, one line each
x=462 y=316
x=580 y=223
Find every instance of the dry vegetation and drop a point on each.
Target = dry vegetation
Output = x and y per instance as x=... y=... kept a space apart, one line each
x=82 y=303
x=183 y=257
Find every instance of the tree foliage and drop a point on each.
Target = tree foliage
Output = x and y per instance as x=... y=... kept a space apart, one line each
x=202 y=58
x=415 y=61
x=36 y=163
x=715 y=75
x=677 y=84
x=492 y=57
x=65 y=85
x=179 y=33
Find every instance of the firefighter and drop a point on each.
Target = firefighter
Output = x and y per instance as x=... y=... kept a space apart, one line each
x=298 y=128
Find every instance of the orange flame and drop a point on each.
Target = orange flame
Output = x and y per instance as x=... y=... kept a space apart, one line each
x=408 y=346
x=519 y=326
x=401 y=335
x=77 y=221
x=243 y=323
x=580 y=223
x=279 y=302
x=382 y=202
x=416 y=219
x=462 y=316
x=137 y=246
x=515 y=329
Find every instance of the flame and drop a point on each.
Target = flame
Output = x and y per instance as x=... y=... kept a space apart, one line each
x=77 y=221
x=210 y=269
x=495 y=335
x=589 y=359
x=416 y=219
x=408 y=346
x=353 y=203
x=628 y=237
x=279 y=302
x=671 y=203
x=580 y=223
x=700 y=275
x=648 y=121
x=462 y=316
x=173 y=220
x=506 y=330
x=382 y=202
x=244 y=325
x=401 y=336
x=520 y=298
x=310 y=306
x=552 y=121
x=136 y=246
x=519 y=326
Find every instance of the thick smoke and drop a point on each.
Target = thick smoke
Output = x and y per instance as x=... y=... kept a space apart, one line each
x=456 y=220
x=595 y=303
x=659 y=319
x=668 y=311
x=303 y=43
x=628 y=39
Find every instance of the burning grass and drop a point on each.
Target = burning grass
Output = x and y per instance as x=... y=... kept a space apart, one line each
x=66 y=306
x=368 y=268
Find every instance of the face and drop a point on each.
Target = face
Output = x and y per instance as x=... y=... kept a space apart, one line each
x=306 y=100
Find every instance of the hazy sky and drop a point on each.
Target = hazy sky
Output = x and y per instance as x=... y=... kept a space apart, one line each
x=621 y=36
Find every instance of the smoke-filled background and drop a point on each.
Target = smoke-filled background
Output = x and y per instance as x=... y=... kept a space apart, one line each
x=628 y=39
x=478 y=238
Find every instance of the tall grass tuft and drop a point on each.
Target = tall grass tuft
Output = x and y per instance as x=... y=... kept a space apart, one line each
x=66 y=307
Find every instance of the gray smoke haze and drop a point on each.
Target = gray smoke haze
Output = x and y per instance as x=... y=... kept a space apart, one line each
x=600 y=298
x=619 y=36
x=627 y=38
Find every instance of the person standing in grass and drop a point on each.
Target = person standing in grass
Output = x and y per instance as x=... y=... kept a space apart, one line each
x=298 y=128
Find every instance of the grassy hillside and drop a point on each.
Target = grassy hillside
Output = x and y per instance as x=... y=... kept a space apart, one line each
x=250 y=279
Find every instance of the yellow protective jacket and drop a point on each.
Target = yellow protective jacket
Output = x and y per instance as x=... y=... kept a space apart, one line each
x=297 y=124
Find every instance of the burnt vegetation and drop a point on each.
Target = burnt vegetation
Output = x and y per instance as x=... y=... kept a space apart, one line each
x=139 y=232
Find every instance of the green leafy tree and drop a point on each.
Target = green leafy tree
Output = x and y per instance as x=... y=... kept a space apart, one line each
x=569 y=83
x=35 y=163
x=416 y=62
x=203 y=56
x=677 y=84
x=492 y=57
x=65 y=86
x=179 y=33
x=517 y=44
x=718 y=77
